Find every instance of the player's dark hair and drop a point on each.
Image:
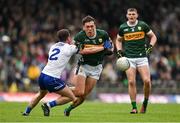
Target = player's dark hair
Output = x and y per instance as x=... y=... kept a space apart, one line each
x=132 y=10
x=87 y=19
x=63 y=34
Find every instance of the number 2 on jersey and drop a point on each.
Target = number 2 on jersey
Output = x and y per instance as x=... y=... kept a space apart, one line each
x=55 y=51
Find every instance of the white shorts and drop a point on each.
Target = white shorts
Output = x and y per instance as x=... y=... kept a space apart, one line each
x=90 y=71
x=137 y=62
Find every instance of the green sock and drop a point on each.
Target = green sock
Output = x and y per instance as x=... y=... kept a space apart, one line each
x=134 y=105
x=70 y=108
x=145 y=102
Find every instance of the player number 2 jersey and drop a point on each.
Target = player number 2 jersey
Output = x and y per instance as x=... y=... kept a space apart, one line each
x=59 y=55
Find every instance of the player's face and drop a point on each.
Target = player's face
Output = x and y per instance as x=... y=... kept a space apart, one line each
x=132 y=16
x=89 y=28
x=69 y=40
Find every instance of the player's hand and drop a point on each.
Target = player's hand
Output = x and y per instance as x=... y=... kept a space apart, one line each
x=108 y=52
x=107 y=44
x=79 y=46
x=149 y=49
x=119 y=54
x=81 y=60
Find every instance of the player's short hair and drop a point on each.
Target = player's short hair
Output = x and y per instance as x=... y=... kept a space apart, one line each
x=87 y=19
x=132 y=10
x=63 y=34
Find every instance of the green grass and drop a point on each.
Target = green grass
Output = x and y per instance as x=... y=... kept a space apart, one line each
x=91 y=112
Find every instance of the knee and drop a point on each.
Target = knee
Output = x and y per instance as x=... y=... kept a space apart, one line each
x=131 y=83
x=79 y=93
x=147 y=82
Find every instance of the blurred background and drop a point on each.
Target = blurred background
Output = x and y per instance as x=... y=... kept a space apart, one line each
x=28 y=28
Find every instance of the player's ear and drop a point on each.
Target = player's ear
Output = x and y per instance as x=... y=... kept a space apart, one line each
x=94 y=25
x=137 y=15
x=127 y=15
x=84 y=27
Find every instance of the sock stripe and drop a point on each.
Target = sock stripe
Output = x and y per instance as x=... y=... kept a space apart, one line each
x=28 y=110
x=52 y=103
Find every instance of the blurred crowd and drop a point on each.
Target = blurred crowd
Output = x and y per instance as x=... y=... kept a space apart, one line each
x=28 y=28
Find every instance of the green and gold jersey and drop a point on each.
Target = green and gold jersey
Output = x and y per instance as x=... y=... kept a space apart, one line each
x=95 y=58
x=134 y=39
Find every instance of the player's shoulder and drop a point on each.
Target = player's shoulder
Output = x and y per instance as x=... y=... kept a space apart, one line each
x=80 y=33
x=53 y=45
x=123 y=25
x=64 y=46
x=140 y=22
x=101 y=31
x=59 y=44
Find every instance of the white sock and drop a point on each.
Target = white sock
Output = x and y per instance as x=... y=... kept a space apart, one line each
x=48 y=105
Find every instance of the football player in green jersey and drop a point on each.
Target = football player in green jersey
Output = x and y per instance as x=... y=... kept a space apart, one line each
x=131 y=43
x=90 y=67
x=95 y=44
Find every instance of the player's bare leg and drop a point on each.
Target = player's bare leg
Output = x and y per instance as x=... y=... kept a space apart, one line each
x=131 y=75
x=79 y=91
x=89 y=85
x=66 y=92
x=35 y=100
x=145 y=75
x=63 y=99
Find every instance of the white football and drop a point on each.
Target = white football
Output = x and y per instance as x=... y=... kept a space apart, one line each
x=122 y=64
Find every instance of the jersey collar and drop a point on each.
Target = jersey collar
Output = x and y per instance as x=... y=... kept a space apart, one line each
x=131 y=25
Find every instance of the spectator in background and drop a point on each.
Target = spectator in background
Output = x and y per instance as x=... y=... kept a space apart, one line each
x=33 y=72
x=109 y=75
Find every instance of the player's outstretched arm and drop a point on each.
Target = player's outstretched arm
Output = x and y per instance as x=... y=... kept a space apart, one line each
x=96 y=48
x=91 y=50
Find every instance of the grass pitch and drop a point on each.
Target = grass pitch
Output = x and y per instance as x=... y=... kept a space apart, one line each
x=91 y=112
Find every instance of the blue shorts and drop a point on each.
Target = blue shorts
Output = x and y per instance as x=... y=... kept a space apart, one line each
x=49 y=83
